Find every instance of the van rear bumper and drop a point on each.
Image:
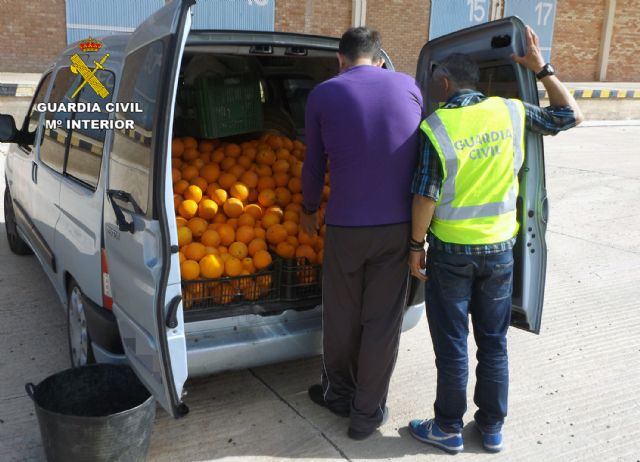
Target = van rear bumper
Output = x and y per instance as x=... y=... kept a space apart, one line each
x=256 y=345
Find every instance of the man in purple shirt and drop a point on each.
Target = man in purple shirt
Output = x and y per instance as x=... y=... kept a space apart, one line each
x=365 y=123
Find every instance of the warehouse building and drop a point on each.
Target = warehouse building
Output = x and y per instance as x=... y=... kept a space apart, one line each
x=587 y=40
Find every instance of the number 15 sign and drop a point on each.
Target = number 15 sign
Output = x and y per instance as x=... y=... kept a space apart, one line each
x=540 y=15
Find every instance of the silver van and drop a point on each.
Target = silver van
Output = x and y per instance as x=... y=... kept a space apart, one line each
x=95 y=202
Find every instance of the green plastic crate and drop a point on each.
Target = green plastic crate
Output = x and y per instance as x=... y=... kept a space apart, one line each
x=228 y=105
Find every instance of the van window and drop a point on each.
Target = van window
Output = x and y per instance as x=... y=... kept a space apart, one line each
x=85 y=146
x=52 y=149
x=131 y=156
x=30 y=124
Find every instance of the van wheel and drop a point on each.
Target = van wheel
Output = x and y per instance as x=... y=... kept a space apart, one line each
x=16 y=244
x=80 y=350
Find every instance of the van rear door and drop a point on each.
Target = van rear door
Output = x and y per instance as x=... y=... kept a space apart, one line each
x=491 y=45
x=143 y=264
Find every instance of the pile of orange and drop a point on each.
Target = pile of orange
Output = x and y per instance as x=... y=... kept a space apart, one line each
x=236 y=205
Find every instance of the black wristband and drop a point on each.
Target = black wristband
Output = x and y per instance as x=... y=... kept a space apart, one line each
x=306 y=211
x=417 y=243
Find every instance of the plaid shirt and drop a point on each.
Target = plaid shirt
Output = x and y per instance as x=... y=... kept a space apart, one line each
x=427 y=180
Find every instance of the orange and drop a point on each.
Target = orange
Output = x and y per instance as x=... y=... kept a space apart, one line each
x=194 y=251
x=267 y=197
x=319 y=245
x=281 y=178
x=188 y=208
x=190 y=142
x=233 y=222
x=210 y=250
x=176 y=162
x=305 y=239
x=175 y=175
x=262 y=259
x=260 y=231
x=298 y=154
x=237 y=170
x=297 y=198
x=200 y=183
x=326 y=190
x=283 y=154
x=224 y=293
x=295 y=185
x=269 y=219
x=177 y=200
x=246 y=219
x=266 y=157
x=190 y=154
x=283 y=196
x=294 y=208
x=291 y=227
x=292 y=240
x=264 y=170
x=250 y=152
x=189 y=270
x=222 y=250
x=205 y=146
x=194 y=193
x=296 y=169
x=238 y=250
x=280 y=166
x=227 y=234
x=253 y=195
x=217 y=156
x=207 y=209
x=266 y=182
x=180 y=186
x=255 y=245
x=255 y=210
x=180 y=221
x=239 y=191
x=219 y=219
x=185 y=236
x=233 y=267
x=274 y=141
x=182 y=257
x=177 y=147
x=244 y=162
x=307 y=252
x=197 y=163
x=198 y=226
x=205 y=157
x=232 y=150
x=226 y=180
x=247 y=264
x=227 y=163
x=275 y=209
x=218 y=195
x=211 y=266
x=298 y=145
x=285 y=250
x=290 y=215
x=276 y=234
x=250 y=179
x=210 y=172
x=245 y=234
x=189 y=172
x=233 y=207
x=287 y=143
x=210 y=238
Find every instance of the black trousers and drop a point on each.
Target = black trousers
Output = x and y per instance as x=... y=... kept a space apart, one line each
x=364 y=293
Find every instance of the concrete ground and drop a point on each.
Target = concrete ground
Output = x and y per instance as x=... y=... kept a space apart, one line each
x=575 y=391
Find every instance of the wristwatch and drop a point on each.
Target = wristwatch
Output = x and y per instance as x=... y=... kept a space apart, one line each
x=547 y=69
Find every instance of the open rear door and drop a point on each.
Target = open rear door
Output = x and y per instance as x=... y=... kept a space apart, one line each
x=140 y=236
x=491 y=45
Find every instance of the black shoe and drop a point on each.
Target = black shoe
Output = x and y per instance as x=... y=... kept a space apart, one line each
x=364 y=434
x=316 y=393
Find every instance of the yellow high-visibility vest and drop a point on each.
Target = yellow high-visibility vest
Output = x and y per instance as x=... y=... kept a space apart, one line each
x=481 y=148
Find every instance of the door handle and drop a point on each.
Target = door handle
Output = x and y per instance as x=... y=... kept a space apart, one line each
x=34 y=172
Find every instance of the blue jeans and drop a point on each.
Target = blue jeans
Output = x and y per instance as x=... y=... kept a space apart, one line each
x=479 y=285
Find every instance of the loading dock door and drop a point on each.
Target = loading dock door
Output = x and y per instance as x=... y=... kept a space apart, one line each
x=540 y=15
x=452 y=15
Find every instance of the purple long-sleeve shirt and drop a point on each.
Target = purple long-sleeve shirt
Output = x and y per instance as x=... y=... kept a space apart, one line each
x=365 y=122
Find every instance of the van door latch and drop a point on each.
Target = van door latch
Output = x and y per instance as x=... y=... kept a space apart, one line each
x=172 y=312
x=123 y=196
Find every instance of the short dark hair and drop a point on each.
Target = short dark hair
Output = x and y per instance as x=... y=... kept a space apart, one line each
x=461 y=69
x=360 y=42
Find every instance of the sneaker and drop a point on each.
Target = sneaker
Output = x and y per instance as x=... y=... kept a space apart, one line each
x=316 y=394
x=364 y=434
x=491 y=442
x=428 y=432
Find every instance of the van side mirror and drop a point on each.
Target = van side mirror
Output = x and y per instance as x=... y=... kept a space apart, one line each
x=8 y=130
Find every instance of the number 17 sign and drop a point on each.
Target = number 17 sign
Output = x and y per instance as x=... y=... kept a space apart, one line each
x=540 y=15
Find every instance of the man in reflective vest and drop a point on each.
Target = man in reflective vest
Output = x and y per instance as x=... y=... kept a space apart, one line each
x=465 y=191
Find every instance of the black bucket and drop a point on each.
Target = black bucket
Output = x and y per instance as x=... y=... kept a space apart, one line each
x=94 y=413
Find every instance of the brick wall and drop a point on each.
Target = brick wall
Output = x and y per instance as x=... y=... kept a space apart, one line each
x=404 y=25
x=624 y=54
x=329 y=17
x=576 y=39
x=33 y=33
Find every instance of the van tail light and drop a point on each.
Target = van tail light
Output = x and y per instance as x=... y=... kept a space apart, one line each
x=107 y=301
